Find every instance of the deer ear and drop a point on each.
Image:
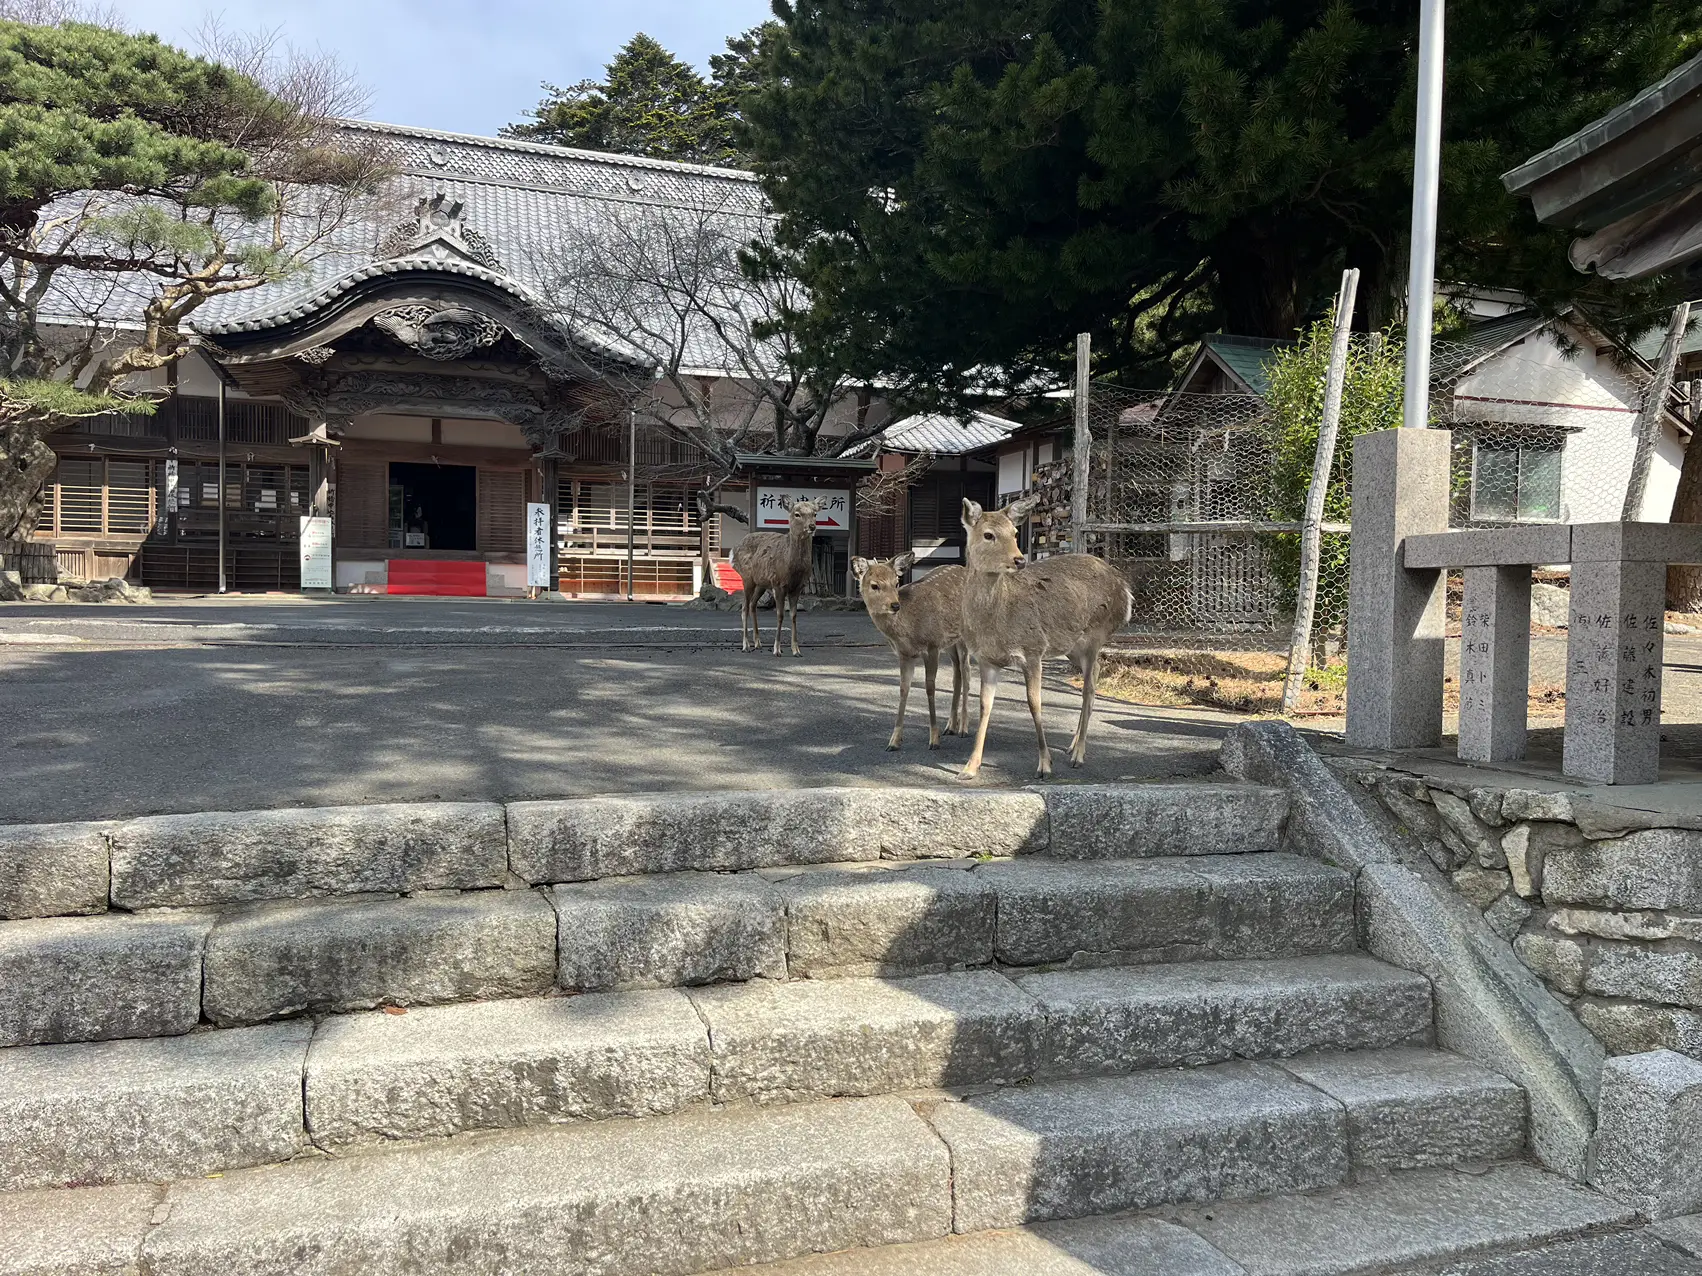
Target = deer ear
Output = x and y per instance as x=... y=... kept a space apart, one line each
x=786 y=503
x=1017 y=511
x=971 y=512
x=904 y=562
x=858 y=567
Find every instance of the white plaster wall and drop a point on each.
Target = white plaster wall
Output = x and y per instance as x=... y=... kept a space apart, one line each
x=1536 y=382
x=358 y=571
x=505 y=580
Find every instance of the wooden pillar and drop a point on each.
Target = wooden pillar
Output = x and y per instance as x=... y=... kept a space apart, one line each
x=552 y=497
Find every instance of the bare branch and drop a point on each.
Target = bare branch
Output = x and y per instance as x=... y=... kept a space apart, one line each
x=670 y=286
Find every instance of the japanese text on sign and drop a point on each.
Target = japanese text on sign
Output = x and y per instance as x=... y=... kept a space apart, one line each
x=833 y=502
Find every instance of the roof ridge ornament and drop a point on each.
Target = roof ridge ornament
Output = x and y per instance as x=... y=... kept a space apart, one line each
x=439 y=232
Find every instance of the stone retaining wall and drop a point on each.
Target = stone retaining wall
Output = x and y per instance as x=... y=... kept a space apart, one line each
x=1604 y=904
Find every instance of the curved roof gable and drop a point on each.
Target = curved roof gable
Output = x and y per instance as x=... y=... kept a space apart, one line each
x=489 y=210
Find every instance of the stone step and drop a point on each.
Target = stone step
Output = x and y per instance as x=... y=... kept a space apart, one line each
x=1071 y=1149
x=847 y=920
x=160 y=972
x=724 y=1187
x=1409 y=1217
x=226 y=857
x=684 y=1193
x=225 y=1098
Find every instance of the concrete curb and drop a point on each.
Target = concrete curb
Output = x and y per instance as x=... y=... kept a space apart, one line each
x=1489 y=1006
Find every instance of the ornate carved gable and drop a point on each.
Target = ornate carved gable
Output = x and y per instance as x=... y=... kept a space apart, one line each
x=439 y=232
x=441 y=332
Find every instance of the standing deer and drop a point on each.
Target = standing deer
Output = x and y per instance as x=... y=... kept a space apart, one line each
x=1068 y=604
x=918 y=620
x=770 y=560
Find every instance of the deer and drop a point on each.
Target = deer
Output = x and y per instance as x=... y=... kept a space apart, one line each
x=919 y=620
x=1018 y=612
x=779 y=562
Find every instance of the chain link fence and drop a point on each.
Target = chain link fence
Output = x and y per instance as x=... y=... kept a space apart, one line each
x=1197 y=498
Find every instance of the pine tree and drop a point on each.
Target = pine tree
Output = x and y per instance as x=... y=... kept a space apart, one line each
x=652 y=103
x=963 y=184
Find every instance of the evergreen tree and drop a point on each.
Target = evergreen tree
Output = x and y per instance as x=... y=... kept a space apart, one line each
x=136 y=184
x=963 y=184
x=651 y=103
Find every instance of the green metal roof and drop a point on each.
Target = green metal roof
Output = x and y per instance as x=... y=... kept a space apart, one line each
x=1648 y=346
x=1246 y=357
x=776 y=461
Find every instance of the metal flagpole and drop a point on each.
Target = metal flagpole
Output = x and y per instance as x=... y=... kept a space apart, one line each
x=221 y=484
x=1426 y=176
x=631 y=491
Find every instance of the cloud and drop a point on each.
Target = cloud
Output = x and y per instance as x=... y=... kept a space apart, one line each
x=469 y=68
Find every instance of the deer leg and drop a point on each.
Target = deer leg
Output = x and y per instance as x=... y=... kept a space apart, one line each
x=930 y=669
x=779 y=617
x=989 y=693
x=745 y=619
x=1031 y=674
x=959 y=690
x=906 y=667
x=795 y=650
x=1089 y=679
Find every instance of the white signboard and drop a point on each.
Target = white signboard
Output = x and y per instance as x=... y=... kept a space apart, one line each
x=538 y=545
x=315 y=551
x=835 y=503
x=169 y=505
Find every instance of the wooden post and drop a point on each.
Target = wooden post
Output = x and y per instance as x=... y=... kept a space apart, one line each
x=551 y=496
x=221 y=484
x=1083 y=443
x=1311 y=533
x=1649 y=416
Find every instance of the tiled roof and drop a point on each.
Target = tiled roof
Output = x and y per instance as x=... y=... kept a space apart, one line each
x=518 y=196
x=1664 y=93
x=946 y=435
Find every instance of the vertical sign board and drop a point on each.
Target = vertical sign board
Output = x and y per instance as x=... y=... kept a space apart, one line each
x=538 y=544
x=168 y=506
x=315 y=552
x=835 y=503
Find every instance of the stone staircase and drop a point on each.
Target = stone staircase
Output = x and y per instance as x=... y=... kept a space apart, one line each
x=1089 y=1029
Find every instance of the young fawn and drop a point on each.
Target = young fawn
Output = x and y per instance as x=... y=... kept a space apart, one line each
x=779 y=562
x=1017 y=612
x=919 y=620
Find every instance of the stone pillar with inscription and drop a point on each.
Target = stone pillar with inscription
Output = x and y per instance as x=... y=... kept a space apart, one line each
x=1395 y=614
x=1614 y=647
x=1495 y=661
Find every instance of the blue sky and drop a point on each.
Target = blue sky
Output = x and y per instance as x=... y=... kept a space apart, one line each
x=466 y=65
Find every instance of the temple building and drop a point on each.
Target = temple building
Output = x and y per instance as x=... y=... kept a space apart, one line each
x=418 y=386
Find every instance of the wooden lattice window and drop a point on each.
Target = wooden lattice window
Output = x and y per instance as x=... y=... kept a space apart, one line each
x=502 y=510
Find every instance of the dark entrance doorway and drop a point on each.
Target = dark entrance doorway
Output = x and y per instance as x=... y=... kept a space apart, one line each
x=433 y=506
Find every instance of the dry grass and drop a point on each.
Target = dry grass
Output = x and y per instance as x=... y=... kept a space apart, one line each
x=1251 y=682
x=1244 y=681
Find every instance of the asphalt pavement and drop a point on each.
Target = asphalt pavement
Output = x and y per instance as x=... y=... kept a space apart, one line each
x=114 y=710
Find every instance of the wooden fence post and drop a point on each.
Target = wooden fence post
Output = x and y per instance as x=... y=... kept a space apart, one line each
x=1311 y=533
x=1083 y=443
x=1649 y=417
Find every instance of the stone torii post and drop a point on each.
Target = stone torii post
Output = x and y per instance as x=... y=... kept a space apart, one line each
x=1615 y=637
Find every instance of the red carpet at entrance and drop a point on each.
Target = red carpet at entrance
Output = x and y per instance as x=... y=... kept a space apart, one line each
x=422 y=576
x=727 y=578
